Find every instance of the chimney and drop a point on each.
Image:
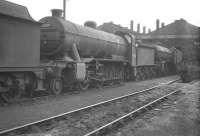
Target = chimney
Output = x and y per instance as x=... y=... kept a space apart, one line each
x=144 y=29
x=157 y=24
x=56 y=12
x=149 y=30
x=162 y=25
x=138 y=28
x=131 y=25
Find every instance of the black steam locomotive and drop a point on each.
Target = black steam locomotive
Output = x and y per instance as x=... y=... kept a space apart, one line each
x=55 y=53
x=189 y=70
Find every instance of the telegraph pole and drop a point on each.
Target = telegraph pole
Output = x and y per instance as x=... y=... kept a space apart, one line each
x=64 y=9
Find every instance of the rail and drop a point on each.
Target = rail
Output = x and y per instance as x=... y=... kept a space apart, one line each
x=84 y=108
x=119 y=120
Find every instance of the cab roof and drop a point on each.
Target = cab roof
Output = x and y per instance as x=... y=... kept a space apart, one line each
x=14 y=10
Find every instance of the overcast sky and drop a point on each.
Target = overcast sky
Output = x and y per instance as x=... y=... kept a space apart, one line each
x=121 y=12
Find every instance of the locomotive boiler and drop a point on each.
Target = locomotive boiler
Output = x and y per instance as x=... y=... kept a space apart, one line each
x=58 y=36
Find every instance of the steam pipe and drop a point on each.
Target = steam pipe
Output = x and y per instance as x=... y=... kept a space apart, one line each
x=75 y=53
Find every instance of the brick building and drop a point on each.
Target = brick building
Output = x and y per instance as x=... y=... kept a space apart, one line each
x=110 y=27
x=179 y=34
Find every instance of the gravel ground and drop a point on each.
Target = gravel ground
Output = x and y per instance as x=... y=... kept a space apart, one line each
x=83 y=122
x=14 y=115
x=178 y=116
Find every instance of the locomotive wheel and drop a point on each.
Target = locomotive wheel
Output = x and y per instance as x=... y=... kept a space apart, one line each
x=13 y=94
x=83 y=85
x=56 y=86
x=29 y=90
x=99 y=84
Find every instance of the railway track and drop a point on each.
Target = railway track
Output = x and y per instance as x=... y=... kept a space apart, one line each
x=28 y=127
x=43 y=96
x=157 y=116
x=130 y=115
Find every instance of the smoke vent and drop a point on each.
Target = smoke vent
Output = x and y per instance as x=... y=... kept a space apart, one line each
x=138 y=28
x=144 y=29
x=149 y=30
x=131 y=25
x=56 y=12
x=157 y=24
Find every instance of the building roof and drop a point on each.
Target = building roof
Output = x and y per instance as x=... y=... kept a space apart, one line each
x=178 y=29
x=112 y=28
x=14 y=10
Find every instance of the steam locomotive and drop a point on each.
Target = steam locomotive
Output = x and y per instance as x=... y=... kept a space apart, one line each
x=54 y=53
x=189 y=71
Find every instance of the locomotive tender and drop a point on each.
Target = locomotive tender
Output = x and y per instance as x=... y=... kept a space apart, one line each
x=55 y=53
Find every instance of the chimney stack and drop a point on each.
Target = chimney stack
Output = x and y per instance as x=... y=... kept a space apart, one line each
x=138 y=28
x=157 y=24
x=131 y=25
x=149 y=30
x=162 y=24
x=144 y=29
x=56 y=12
